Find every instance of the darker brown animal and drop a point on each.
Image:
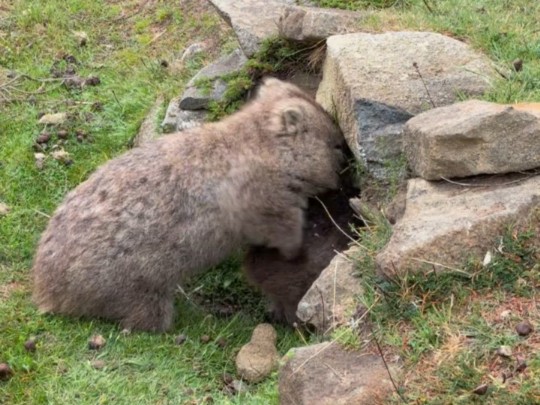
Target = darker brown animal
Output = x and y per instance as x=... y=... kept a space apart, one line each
x=285 y=282
x=123 y=240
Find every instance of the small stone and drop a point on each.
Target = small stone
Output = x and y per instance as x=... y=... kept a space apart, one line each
x=62 y=134
x=96 y=342
x=53 y=119
x=521 y=366
x=240 y=386
x=125 y=332
x=44 y=137
x=5 y=372
x=258 y=358
x=505 y=314
x=81 y=37
x=4 y=209
x=481 y=389
x=62 y=156
x=504 y=351
x=39 y=159
x=524 y=328
x=518 y=65
x=30 y=345
x=205 y=339
x=191 y=51
x=180 y=339
x=98 y=364
x=164 y=64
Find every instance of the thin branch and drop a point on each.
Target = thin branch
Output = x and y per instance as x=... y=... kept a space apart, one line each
x=388 y=370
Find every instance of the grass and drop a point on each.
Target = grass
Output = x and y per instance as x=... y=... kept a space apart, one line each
x=446 y=328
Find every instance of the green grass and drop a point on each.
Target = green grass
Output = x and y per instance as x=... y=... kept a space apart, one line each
x=445 y=327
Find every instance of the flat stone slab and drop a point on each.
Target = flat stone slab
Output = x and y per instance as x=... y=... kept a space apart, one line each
x=327 y=374
x=312 y=24
x=252 y=20
x=177 y=120
x=473 y=137
x=374 y=83
x=443 y=222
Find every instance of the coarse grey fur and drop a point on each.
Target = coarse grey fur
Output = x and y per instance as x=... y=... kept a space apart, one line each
x=124 y=239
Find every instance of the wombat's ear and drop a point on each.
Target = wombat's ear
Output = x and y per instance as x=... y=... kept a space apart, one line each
x=292 y=120
x=268 y=87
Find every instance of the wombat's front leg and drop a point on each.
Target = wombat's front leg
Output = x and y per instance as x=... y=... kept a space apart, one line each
x=286 y=232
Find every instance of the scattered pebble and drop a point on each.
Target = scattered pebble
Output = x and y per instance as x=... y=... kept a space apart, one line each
x=92 y=81
x=96 y=342
x=221 y=342
x=4 y=209
x=44 y=137
x=62 y=134
x=53 y=119
x=40 y=160
x=505 y=314
x=30 y=345
x=62 y=156
x=481 y=389
x=524 y=328
x=5 y=372
x=98 y=364
x=205 y=339
x=504 y=351
x=81 y=37
x=180 y=339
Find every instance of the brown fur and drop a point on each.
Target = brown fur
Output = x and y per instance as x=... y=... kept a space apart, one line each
x=125 y=238
x=285 y=282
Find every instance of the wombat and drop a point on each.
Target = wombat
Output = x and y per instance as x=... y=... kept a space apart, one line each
x=285 y=282
x=121 y=242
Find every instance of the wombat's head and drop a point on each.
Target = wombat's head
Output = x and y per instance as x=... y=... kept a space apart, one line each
x=308 y=143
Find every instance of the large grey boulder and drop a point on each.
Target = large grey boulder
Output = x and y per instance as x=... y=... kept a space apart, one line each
x=331 y=299
x=198 y=97
x=312 y=24
x=327 y=374
x=444 y=223
x=374 y=83
x=473 y=137
x=252 y=20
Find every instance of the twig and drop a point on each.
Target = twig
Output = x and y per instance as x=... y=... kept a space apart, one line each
x=488 y=185
x=424 y=83
x=388 y=369
x=337 y=226
x=428 y=6
x=127 y=16
x=442 y=265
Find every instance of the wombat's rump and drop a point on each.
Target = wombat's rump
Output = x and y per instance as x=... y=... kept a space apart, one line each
x=285 y=282
x=121 y=242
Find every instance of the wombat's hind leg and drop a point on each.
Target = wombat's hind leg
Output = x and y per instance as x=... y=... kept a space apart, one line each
x=153 y=313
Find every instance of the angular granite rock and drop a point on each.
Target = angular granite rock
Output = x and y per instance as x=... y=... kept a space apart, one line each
x=374 y=83
x=472 y=137
x=176 y=119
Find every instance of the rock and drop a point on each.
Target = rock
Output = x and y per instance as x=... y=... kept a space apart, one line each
x=505 y=351
x=4 y=209
x=30 y=345
x=180 y=339
x=252 y=21
x=148 y=129
x=326 y=374
x=374 y=83
x=199 y=98
x=472 y=137
x=62 y=156
x=53 y=119
x=196 y=98
x=258 y=358
x=98 y=364
x=524 y=328
x=39 y=158
x=96 y=342
x=177 y=119
x=481 y=389
x=81 y=37
x=313 y=24
x=331 y=298
x=443 y=222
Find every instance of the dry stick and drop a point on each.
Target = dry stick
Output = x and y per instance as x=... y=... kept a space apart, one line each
x=337 y=226
x=388 y=370
x=428 y=6
x=424 y=83
x=488 y=185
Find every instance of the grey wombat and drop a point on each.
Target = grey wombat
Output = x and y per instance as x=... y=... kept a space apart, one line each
x=125 y=238
x=285 y=282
